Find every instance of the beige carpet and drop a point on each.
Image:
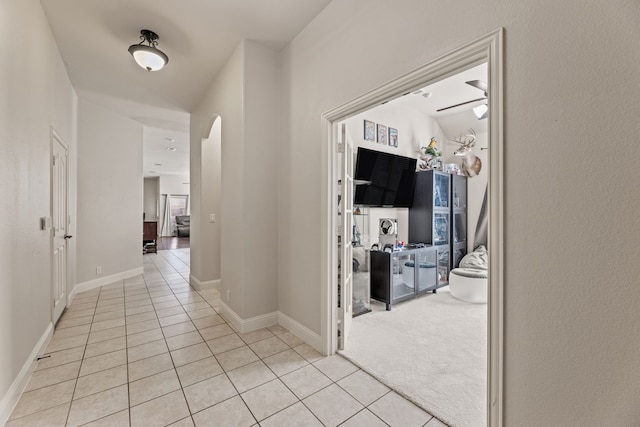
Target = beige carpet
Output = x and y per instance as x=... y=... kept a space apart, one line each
x=433 y=350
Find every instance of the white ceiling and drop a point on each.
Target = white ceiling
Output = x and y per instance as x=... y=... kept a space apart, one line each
x=198 y=36
x=450 y=91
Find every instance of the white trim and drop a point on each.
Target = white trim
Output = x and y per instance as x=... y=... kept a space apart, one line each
x=485 y=49
x=301 y=331
x=11 y=397
x=106 y=280
x=328 y=260
x=270 y=319
x=495 y=341
x=201 y=286
x=248 y=325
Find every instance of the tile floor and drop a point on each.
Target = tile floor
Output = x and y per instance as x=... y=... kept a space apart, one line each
x=151 y=351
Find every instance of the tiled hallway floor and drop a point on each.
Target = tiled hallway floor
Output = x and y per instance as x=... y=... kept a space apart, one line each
x=151 y=351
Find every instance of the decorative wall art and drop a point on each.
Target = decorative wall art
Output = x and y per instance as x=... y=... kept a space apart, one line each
x=369 y=131
x=393 y=137
x=382 y=134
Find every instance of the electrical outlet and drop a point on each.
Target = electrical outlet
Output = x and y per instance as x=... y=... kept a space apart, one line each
x=228 y=295
x=98 y=270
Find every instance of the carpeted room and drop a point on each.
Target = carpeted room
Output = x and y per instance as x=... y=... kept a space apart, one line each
x=426 y=344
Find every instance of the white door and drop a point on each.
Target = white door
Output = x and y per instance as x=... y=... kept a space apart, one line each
x=59 y=225
x=345 y=312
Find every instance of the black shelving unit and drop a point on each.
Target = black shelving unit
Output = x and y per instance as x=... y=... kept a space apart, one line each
x=458 y=219
x=430 y=218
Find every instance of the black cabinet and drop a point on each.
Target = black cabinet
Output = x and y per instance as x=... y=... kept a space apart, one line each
x=459 y=219
x=149 y=236
x=401 y=275
x=438 y=217
x=430 y=217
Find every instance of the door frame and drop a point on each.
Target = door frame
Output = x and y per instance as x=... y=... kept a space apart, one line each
x=489 y=49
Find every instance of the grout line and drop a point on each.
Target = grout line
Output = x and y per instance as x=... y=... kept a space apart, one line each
x=162 y=278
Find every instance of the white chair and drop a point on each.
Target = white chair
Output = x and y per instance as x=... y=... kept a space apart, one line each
x=469 y=282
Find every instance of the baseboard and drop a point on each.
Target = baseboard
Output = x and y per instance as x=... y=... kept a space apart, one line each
x=101 y=281
x=270 y=319
x=251 y=324
x=301 y=331
x=201 y=286
x=11 y=397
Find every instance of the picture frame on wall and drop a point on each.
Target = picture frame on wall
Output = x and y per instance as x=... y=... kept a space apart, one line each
x=369 y=131
x=382 y=134
x=393 y=137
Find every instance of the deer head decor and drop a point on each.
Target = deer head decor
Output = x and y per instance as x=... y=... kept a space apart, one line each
x=471 y=163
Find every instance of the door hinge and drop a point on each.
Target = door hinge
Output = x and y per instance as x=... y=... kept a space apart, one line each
x=340 y=148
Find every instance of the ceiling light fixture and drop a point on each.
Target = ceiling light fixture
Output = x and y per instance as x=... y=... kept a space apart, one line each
x=481 y=111
x=148 y=57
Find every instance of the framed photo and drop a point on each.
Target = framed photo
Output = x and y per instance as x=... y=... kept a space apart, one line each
x=393 y=137
x=369 y=131
x=382 y=135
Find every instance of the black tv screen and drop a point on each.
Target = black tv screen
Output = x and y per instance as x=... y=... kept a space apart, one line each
x=383 y=179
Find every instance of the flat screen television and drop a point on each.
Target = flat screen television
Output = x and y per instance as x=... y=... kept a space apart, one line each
x=383 y=179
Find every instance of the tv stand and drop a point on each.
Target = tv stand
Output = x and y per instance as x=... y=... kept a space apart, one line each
x=395 y=278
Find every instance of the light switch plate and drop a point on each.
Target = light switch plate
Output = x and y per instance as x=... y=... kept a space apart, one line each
x=212 y=217
x=45 y=223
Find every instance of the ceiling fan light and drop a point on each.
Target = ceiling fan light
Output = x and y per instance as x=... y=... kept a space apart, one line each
x=148 y=57
x=481 y=111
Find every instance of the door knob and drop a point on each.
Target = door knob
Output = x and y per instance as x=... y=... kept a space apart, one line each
x=66 y=236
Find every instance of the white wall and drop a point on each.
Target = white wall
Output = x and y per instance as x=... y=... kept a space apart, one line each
x=174 y=185
x=223 y=98
x=571 y=286
x=36 y=95
x=244 y=94
x=211 y=152
x=260 y=178
x=110 y=187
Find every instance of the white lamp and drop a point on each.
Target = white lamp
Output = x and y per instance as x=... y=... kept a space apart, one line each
x=148 y=57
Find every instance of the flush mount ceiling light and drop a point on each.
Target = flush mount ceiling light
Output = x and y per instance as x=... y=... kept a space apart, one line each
x=148 y=57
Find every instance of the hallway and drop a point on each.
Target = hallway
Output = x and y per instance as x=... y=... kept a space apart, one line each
x=152 y=351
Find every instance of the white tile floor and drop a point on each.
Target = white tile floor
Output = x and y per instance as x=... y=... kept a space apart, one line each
x=151 y=351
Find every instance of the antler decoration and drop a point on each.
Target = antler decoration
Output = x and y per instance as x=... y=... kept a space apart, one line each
x=467 y=141
x=471 y=163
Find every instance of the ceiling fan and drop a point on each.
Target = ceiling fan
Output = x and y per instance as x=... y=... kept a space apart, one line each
x=481 y=110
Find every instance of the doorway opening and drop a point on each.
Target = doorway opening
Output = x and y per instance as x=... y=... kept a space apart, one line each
x=337 y=298
x=166 y=194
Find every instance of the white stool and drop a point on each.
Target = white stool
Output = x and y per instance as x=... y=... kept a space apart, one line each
x=469 y=284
